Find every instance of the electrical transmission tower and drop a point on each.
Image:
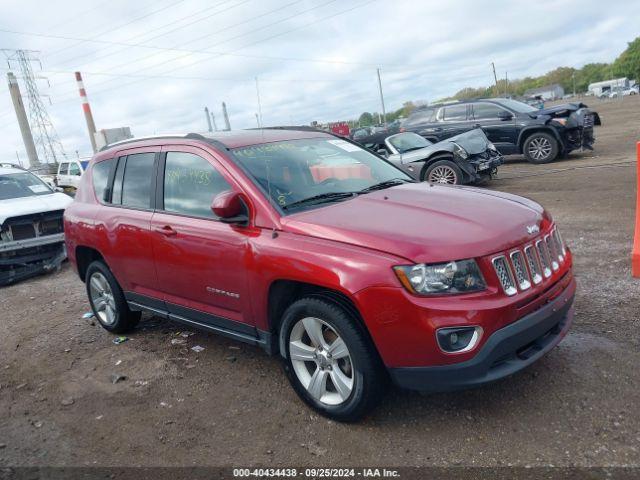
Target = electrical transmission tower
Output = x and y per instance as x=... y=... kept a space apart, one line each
x=48 y=144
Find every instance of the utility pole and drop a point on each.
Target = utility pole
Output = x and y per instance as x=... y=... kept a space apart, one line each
x=506 y=83
x=495 y=78
x=206 y=114
x=88 y=116
x=227 y=125
x=259 y=106
x=25 y=130
x=44 y=134
x=258 y=120
x=213 y=119
x=573 y=79
x=384 y=113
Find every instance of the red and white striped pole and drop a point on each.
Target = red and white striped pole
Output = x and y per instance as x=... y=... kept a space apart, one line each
x=91 y=126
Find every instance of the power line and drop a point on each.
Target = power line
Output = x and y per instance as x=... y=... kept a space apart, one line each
x=181 y=67
x=163 y=27
x=111 y=29
x=215 y=44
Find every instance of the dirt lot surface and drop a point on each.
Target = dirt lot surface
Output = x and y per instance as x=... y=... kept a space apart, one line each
x=231 y=404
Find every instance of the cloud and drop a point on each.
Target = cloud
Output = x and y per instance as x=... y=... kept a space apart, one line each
x=426 y=50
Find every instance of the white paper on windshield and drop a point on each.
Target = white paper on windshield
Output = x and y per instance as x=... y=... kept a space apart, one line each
x=346 y=146
x=38 y=188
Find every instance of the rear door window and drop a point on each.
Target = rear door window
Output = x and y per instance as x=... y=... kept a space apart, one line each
x=486 y=111
x=63 y=169
x=74 y=169
x=190 y=184
x=455 y=113
x=138 y=180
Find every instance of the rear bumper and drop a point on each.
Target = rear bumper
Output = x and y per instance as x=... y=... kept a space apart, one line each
x=507 y=351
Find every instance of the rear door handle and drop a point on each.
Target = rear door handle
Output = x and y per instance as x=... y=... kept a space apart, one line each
x=167 y=231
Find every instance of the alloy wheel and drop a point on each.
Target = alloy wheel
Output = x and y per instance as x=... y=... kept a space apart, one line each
x=321 y=361
x=102 y=298
x=540 y=148
x=443 y=174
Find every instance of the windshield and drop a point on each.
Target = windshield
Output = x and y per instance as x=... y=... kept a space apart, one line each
x=405 y=142
x=23 y=184
x=294 y=171
x=516 y=106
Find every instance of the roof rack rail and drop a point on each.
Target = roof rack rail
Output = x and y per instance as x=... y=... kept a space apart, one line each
x=192 y=136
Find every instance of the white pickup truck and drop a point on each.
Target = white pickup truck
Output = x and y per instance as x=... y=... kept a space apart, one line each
x=70 y=172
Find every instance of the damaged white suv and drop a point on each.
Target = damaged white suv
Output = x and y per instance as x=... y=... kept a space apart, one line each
x=31 y=229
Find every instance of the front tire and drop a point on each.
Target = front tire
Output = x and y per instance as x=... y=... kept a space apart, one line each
x=329 y=360
x=443 y=171
x=107 y=300
x=540 y=148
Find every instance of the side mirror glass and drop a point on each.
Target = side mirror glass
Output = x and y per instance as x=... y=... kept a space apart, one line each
x=229 y=208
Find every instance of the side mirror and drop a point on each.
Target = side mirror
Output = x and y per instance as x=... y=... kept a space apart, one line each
x=383 y=152
x=229 y=208
x=59 y=189
x=504 y=115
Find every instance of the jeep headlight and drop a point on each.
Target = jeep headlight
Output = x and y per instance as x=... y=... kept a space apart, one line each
x=491 y=146
x=461 y=276
x=460 y=152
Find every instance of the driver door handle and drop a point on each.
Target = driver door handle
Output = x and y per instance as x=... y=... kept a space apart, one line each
x=167 y=231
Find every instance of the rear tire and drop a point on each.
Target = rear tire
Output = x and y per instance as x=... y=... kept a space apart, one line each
x=443 y=171
x=540 y=148
x=107 y=300
x=330 y=361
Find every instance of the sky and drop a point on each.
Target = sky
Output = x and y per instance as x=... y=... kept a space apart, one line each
x=153 y=65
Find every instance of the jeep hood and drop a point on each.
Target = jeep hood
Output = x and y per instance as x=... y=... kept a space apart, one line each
x=423 y=222
x=15 y=207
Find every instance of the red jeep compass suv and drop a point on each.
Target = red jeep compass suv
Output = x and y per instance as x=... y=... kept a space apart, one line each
x=324 y=253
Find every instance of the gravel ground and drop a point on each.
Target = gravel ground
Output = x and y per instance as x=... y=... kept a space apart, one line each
x=231 y=404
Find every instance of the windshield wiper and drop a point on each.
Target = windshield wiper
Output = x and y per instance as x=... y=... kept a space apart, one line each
x=321 y=198
x=386 y=184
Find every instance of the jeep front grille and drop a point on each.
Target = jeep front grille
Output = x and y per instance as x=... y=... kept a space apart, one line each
x=522 y=275
x=553 y=254
x=543 y=254
x=533 y=263
x=504 y=275
x=530 y=264
x=560 y=248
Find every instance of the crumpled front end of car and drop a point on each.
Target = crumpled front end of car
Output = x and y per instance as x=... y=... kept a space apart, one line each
x=31 y=245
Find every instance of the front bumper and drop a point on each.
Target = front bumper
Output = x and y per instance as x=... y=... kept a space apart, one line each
x=507 y=351
x=22 y=259
x=483 y=165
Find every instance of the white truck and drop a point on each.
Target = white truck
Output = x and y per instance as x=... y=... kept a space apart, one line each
x=69 y=173
x=31 y=231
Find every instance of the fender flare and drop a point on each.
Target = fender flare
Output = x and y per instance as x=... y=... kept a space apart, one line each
x=525 y=132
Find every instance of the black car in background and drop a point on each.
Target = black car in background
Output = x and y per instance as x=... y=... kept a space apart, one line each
x=512 y=126
x=467 y=158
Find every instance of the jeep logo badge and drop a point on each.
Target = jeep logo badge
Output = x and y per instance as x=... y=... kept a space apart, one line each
x=533 y=229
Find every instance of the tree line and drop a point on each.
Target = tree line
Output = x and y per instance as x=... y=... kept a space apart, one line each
x=627 y=64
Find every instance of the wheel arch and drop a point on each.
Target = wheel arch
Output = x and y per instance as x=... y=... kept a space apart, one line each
x=436 y=157
x=528 y=131
x=283 y=293
x=84 y=257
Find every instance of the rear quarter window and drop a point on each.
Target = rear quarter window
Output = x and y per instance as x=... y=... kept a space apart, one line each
x=100 y=176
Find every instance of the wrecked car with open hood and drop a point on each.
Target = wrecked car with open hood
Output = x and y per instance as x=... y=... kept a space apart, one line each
x=467 y=158
x=31 y=228
x=512 y=126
